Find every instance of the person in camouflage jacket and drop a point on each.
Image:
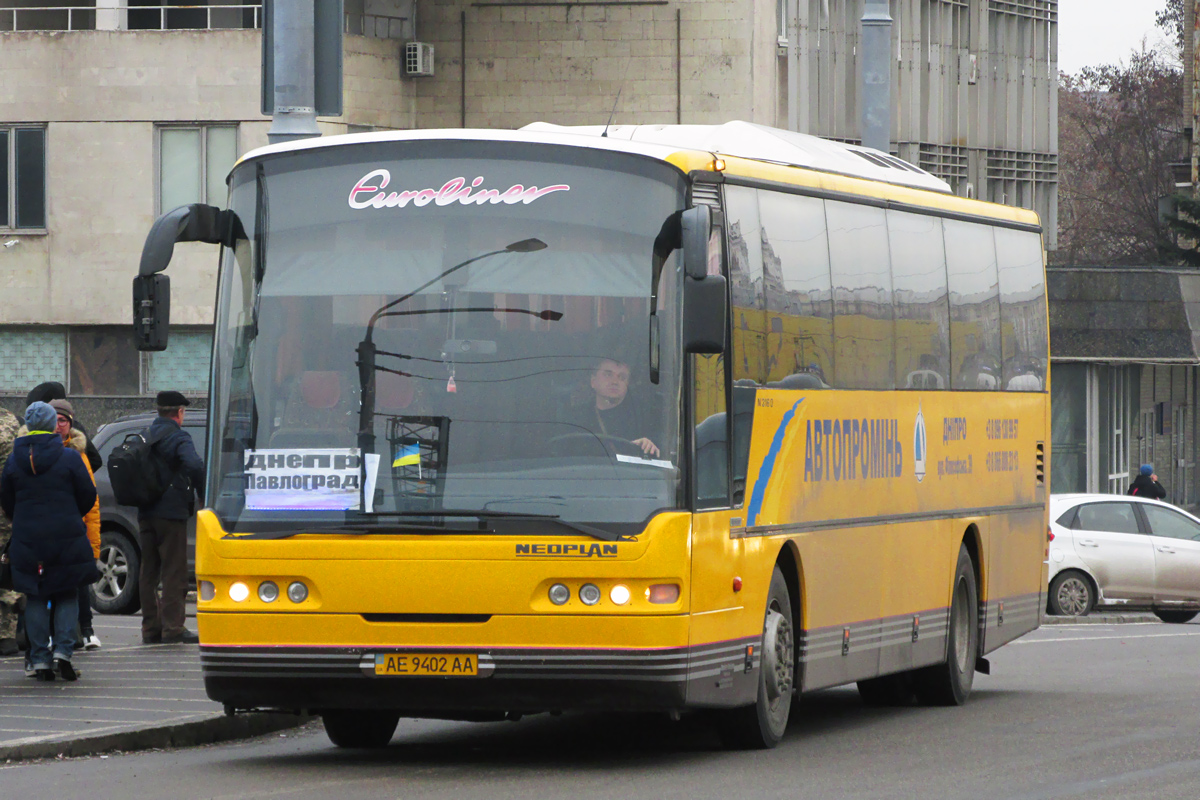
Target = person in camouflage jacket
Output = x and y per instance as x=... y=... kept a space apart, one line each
x=9 y=599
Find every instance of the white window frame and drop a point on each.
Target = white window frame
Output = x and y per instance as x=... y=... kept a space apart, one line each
x=202 y=128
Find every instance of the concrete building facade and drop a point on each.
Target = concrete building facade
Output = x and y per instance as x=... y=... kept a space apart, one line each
x=114 y=112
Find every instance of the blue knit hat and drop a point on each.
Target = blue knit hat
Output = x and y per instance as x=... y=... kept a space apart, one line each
x=40 y=417
x=1147 y=469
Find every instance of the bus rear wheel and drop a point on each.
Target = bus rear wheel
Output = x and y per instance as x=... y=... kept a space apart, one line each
x=949 y=683
x=360 y=728
x=762 y=725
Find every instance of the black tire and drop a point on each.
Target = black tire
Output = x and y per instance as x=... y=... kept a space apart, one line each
x=761 y=726
x=360 y=728
x=117 y=590
x=1071 y=594
x=949 y=683
x=1175 y=617
x=890 y=690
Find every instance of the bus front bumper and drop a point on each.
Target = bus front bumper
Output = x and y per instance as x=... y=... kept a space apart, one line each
x=553 y=670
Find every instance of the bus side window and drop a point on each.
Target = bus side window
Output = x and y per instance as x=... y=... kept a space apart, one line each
x=745 y=264
x=864 y=351
x=795 y=251
x=711 y=446
x=1023 y=337
x=974 y=306
x=919 y=301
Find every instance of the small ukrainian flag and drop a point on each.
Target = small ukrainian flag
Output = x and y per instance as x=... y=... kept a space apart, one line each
x=407 y=455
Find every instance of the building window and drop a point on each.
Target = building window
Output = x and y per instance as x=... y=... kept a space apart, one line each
x=29 y=356
x=193 y=163
x=104 y=361
x=23 y=176
x=183 y=366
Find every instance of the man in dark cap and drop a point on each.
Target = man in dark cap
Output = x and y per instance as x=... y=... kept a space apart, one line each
x=163 y=525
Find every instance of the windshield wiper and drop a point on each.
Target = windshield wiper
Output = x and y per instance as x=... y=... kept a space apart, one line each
x=355 y=529
x=595 y=533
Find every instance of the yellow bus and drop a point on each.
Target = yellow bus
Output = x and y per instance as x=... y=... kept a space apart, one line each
x=642 y=418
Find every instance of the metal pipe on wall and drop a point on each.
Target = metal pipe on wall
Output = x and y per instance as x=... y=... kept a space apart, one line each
x=876 y=123
x=462 y=121
x=295 y=114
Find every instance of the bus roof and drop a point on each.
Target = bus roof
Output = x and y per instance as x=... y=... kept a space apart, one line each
x=772 y=145
x=738 y=139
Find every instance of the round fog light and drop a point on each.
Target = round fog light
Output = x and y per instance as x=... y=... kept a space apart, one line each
x=619 y=594
x=268 y=592
x=589 y=593
x=559 y=594
x=238 y=592
x=297 y=592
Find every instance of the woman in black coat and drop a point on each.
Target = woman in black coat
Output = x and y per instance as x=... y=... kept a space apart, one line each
x=45 y=490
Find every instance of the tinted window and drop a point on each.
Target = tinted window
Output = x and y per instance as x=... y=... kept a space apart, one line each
x=1171 y=524
x=1111 y=517
x=1023 y=336
x=746 y=283
x=711 y=435
x=863 y=352
x=799 y=299
x=919 y=301
x=974 y=306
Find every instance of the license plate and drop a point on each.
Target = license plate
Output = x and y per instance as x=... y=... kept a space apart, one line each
x=437 y=664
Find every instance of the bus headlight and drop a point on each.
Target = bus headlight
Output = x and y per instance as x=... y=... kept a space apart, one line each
x=297 y=592
x=589 y=594
x=238 y=591
x=559 y=594
x=268 y=592
x=619 y=594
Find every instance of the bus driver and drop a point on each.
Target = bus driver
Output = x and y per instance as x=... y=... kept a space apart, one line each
x=609 y=414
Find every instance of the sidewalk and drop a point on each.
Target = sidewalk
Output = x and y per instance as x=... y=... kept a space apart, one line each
x=130 y=696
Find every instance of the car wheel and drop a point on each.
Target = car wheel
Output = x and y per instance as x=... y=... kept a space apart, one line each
x=762 y=725
x=360 y=728
x=1176 y=617
x=1071 y=594
x=949 y=684
x=117 y=590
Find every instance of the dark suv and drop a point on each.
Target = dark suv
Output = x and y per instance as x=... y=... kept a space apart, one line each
x=120 y=550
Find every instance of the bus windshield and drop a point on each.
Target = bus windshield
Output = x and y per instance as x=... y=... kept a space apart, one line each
x=492 y=303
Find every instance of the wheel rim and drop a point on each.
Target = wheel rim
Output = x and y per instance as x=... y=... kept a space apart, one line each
x=114 y=573
x=1073 y=596
x=961 y=625
x=777 y=663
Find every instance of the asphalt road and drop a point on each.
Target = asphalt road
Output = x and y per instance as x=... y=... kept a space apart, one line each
x=1095 y=711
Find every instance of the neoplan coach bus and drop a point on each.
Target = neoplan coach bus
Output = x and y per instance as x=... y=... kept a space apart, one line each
x=823 y=462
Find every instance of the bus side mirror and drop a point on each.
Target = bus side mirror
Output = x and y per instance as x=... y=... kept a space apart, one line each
x=151 y=311
x=704 y=306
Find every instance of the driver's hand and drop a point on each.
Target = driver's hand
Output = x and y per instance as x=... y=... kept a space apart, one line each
x=648 y=447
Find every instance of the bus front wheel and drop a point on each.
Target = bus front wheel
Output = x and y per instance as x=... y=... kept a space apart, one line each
x=949 y=683
x=762 y=725
x=360 y=728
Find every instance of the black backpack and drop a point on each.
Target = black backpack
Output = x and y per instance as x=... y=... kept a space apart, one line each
x=137 y=472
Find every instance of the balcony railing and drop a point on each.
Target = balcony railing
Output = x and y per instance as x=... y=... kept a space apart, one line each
x=171 y=18
x=159 y=18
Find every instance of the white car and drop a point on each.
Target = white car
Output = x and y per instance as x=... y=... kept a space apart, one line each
x=1114 y=550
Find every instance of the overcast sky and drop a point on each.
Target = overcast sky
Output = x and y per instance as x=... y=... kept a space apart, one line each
x=1092 y=32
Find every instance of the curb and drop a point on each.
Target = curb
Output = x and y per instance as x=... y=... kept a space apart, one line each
x=184 y=734
x=1101 y=619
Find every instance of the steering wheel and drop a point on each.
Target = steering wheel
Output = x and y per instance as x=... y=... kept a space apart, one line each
x=575 y=442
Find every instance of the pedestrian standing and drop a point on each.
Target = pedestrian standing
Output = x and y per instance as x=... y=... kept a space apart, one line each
x=77 y=440
x=1146 y=484
x=162 y=526
x=50 y=391
x=45 y=490
x=10 y=601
